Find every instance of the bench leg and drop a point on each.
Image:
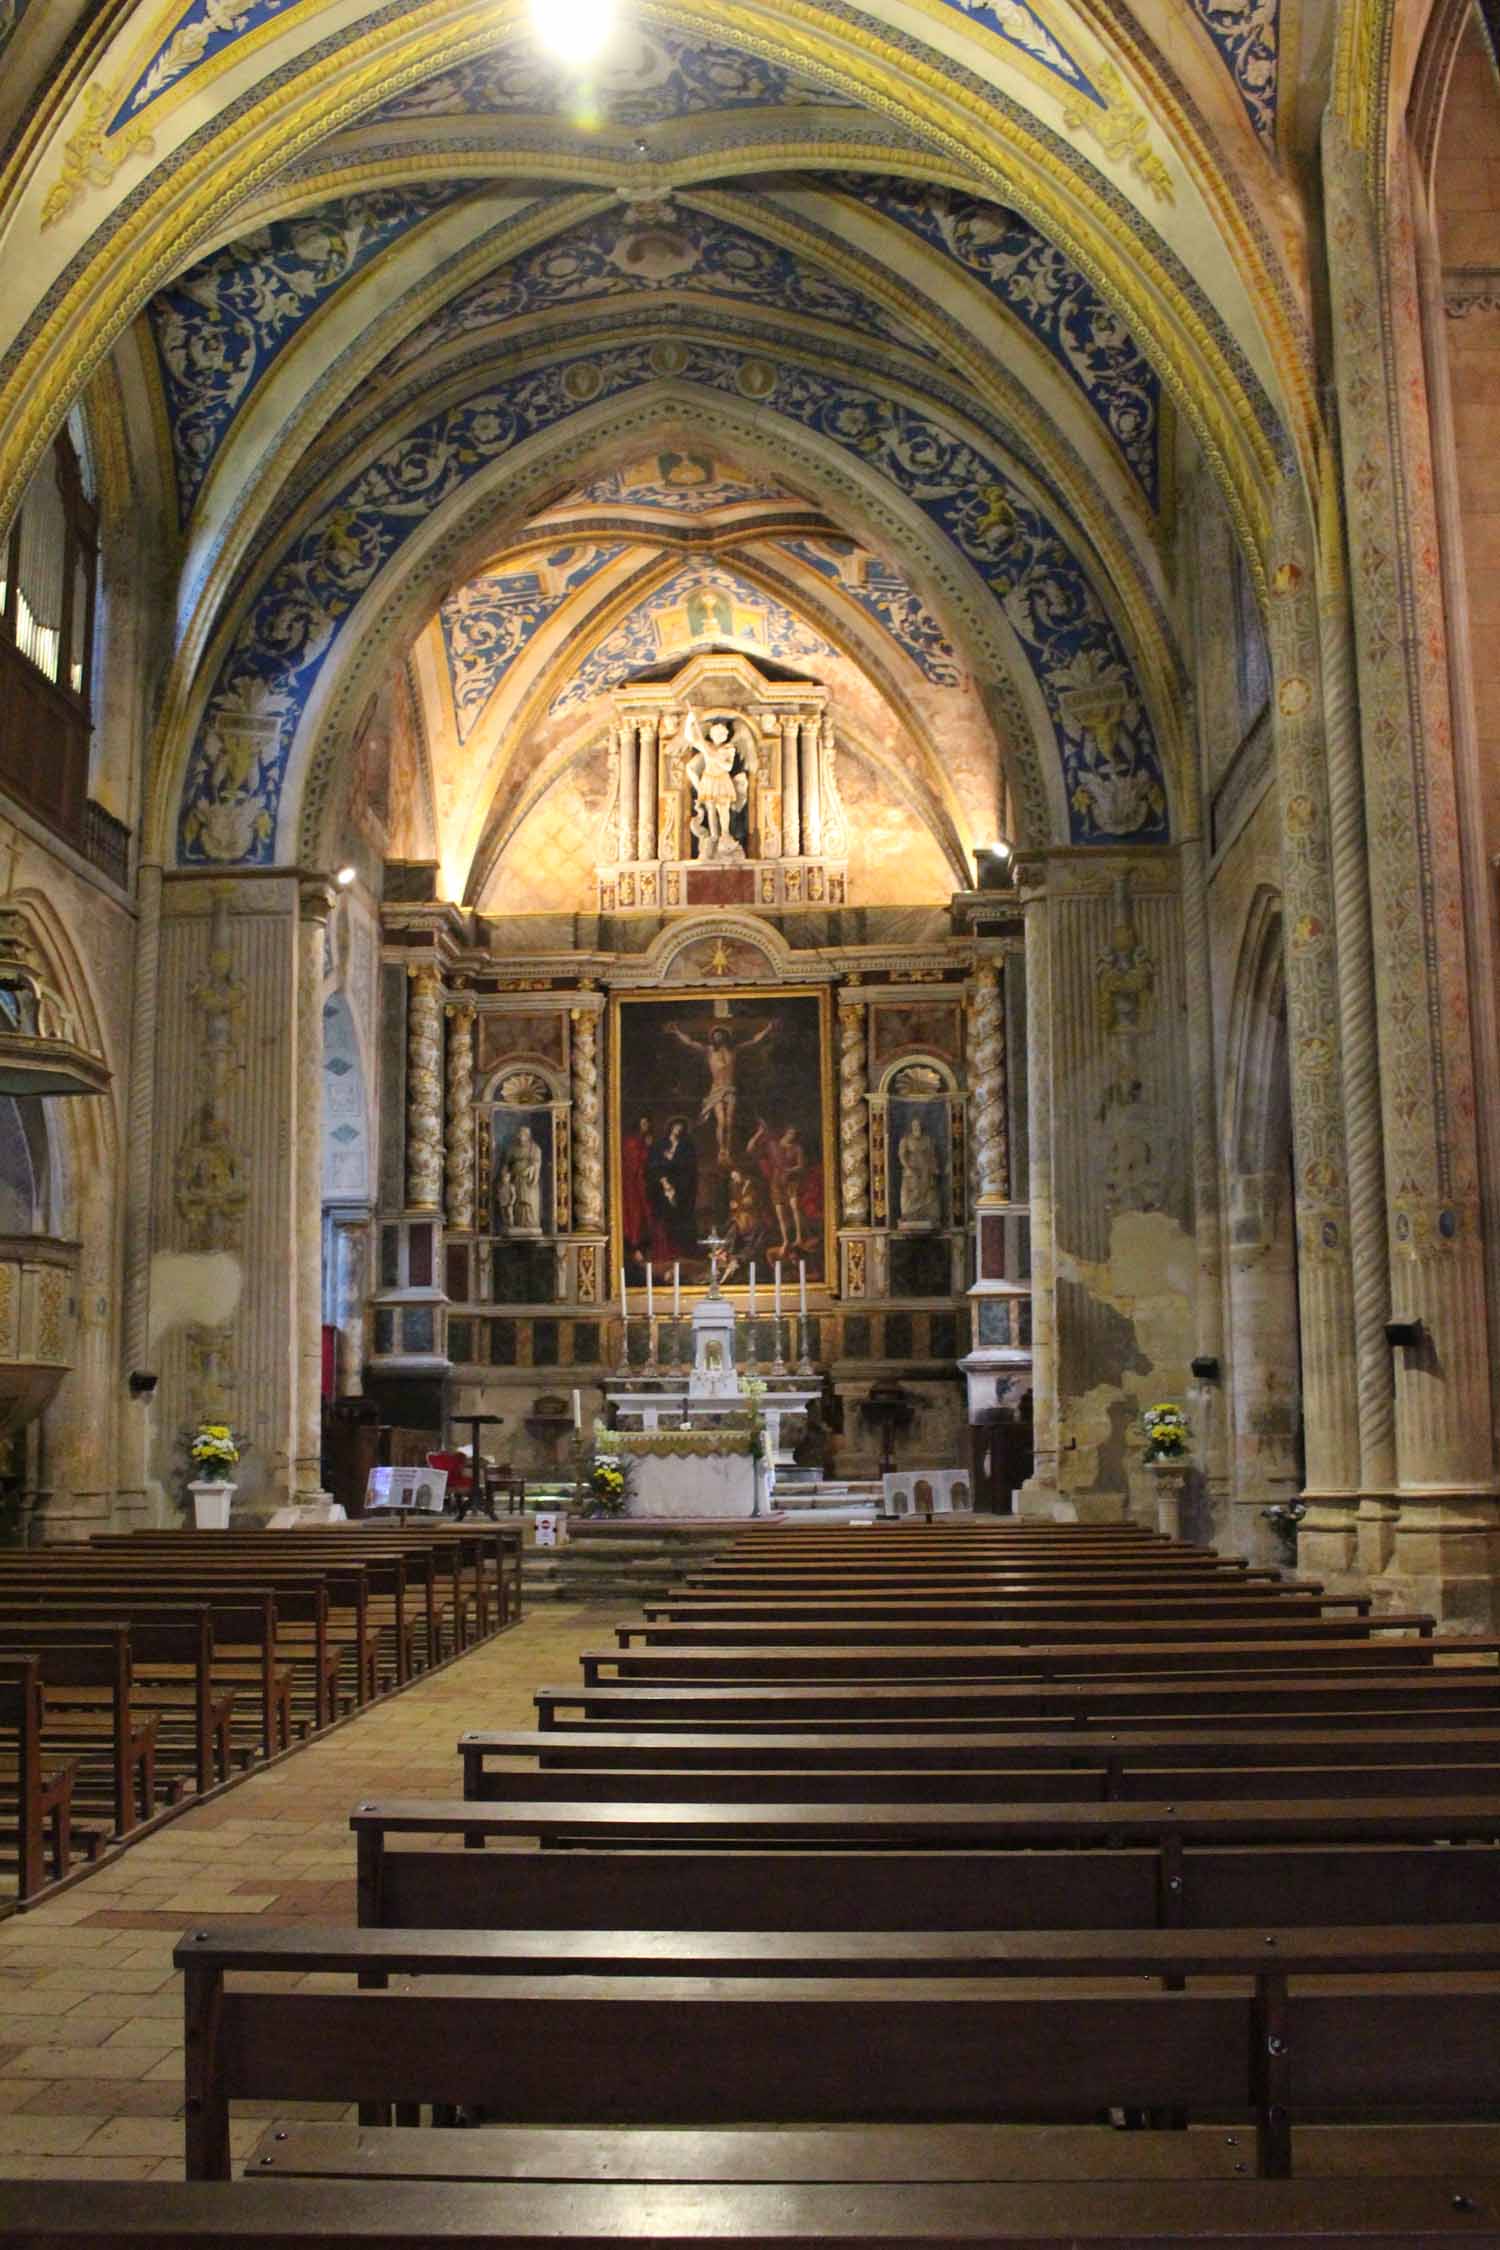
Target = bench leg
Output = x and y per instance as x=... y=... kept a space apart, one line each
x=207 y=2110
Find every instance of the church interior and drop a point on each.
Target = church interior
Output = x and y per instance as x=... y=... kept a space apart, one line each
x=748 y=740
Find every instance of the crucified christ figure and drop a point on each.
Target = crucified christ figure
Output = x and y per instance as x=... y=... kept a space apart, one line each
x=721 y=1050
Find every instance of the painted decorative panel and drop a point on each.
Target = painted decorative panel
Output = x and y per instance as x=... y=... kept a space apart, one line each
x=702 y=606
x=656 y=77
x=221 y=324
x=676 y=484
x=1112 y=776
x=486 y=624
x=1035 y=282
x=1021 y=27
x=1247 y=34
x=618 y=255
x=884 y=594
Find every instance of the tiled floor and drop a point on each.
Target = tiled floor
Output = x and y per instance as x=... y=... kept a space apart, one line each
x=90 y=2006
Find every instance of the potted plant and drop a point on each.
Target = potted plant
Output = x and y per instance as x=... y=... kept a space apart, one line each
x=1166 y=1434
x=1166 y=1456
x=213 y=1451
x=606 y=1486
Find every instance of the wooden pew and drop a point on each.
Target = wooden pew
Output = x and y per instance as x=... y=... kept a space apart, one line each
x=90 y=1718
x=984 y=1607
x=1034 y=2043
x=1304 y=1628
x=36 y=1788
x=897 y=1826
x=1253 y=1699
x=172 y=1676
x=300 y=2214
x=1059 y=1659
x=1112 y=1754
x=241 y=1665
x=861 y=2154
x=1124 y=1886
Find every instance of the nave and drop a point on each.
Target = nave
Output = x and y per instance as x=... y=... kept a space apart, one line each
x=929 y=1881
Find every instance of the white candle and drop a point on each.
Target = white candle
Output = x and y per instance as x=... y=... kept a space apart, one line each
x=752 y=1289
x=778 y=1289
x=624 y=1305
x=650 y=1294
x=578 y=1410
x=677 y=1291
x=802 y=1287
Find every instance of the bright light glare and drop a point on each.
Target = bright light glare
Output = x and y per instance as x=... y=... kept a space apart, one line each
x=1000 y=850
x=573 y=31
x=344 y=878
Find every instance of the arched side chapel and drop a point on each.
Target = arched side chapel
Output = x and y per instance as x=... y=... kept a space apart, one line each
x=942 y=551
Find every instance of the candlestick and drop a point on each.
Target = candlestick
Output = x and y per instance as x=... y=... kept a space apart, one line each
x=752 y=1289
x=677 y=1290
x=802 y=1288
x=778 y=1300
x=624 y=1326
x=650 y=1293
x=578 y=1410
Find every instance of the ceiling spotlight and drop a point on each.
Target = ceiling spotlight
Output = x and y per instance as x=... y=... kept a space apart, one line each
x=999 y=850
x=573 y=31
x=344 y=878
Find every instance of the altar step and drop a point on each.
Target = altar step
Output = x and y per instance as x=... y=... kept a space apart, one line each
x=619 y=1560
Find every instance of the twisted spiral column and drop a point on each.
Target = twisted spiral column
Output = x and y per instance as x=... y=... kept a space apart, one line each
x=588 y=1144
x=461 y=1119
x=987 y=1072
x=424 y=1092
x=854 y=1129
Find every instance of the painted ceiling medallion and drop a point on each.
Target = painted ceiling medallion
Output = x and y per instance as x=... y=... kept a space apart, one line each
x=645 y=79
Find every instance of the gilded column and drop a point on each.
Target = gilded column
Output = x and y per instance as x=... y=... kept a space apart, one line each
x=854 y=1116
x=1445 y=1451
x=791 y=792
x=629 y=786
x=460 y=1167
x=424 y=1091
x=987 y=1080
x=315 y=903
x=812 y=787
x=588 y=1143
x=645 y=847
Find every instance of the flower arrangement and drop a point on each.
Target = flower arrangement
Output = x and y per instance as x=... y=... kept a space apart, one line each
x=1166 y=1432
x=606 y=1482
x=213 y=1450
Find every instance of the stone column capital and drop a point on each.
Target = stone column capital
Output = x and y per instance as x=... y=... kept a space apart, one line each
x=317 y=895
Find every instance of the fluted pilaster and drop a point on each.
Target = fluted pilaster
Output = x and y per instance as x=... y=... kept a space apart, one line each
x=315 y=902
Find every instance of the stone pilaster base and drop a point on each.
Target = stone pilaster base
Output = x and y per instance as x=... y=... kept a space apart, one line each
x=1328 y=1543
x=1445 y=1557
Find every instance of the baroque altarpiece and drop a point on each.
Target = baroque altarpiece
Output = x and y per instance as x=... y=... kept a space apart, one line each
x=731 y=1047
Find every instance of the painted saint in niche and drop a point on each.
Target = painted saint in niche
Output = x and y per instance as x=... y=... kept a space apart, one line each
x=521 y=1185
x=921 y=1184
